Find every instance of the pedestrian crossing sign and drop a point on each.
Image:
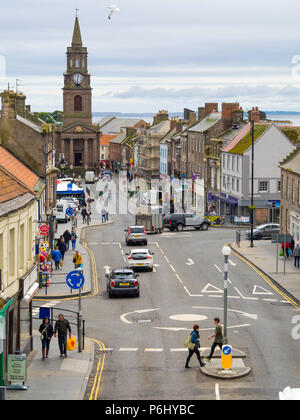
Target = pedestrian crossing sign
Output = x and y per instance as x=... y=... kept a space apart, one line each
x=226 y=356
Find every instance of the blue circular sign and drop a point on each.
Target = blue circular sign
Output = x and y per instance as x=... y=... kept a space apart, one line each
x=69 y=211
x=75 y=280
x=226 y=350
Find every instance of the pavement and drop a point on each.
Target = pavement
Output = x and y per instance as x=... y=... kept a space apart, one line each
x=58 y=288
x=263 y=255
x=56 y=378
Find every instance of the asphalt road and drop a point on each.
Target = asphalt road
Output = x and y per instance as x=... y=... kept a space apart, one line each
x=145 y=336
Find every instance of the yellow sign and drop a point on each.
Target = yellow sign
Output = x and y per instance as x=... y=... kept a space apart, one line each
x=226 y=356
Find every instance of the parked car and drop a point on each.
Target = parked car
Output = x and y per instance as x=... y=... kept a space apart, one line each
x=140 y=259
x=181 y=220
x=122 y=282
x=61 y=208
x=264 y=231
x=90 y=177
x=136 y=235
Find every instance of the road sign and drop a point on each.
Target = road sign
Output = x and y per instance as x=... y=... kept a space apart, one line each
x=44 y=230
x=226 y=356
x=281 y=237
x=69 y=211
x=44 y=313
x=75 y=280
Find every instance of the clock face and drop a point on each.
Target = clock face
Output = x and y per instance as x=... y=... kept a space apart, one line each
x=77 y=79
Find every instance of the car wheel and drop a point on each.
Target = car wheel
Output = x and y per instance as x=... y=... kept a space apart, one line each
x=110 y=295
x=138 y=294
x=151 y=269
x=204 y=226
x=180 y=227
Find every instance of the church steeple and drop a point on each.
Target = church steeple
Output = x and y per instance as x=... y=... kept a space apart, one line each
x=77 y=40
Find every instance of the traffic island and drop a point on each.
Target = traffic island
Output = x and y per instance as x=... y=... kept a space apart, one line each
x=214 y=367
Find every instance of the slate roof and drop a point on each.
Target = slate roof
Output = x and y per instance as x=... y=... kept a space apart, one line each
x=119 y=139
x=207 y=122
x=29 y=123
x=18 y=169
x=115 y=125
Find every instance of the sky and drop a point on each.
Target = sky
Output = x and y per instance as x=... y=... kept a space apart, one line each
x=158 y=54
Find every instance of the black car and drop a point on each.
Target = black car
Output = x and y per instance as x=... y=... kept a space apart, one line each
x=264 y=231
x=179 y=221
x=122 y=282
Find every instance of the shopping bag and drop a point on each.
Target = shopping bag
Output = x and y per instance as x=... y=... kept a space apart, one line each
x=281 y=253
x=189 y=344
x=61 y=263
x=71 y=344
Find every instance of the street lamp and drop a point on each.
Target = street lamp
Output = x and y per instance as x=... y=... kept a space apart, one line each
x=226 y=251
x=252 y=185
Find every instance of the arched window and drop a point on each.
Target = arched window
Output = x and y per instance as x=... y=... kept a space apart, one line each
x=77 y=103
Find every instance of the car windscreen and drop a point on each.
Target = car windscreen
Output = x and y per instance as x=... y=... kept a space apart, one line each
x=60 y=208
x=139 y=256
x=137 y=230
x=122 y=275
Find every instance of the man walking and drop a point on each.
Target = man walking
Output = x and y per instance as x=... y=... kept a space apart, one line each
x=56 y=256
x=83 y=214
x=103 y=212
x=62 y=327
x=297 y=255
x=218 y=335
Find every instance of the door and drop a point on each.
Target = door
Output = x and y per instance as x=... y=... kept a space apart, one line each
x=78 y=159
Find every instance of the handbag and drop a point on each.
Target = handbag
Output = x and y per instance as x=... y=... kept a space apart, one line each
x=42 y=333
x=189 y=343
x=71 y=344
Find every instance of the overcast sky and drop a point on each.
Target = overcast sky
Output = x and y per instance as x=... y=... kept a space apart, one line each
x=158 y=54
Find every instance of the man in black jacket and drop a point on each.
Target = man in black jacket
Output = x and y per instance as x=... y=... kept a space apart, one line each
x=62 y=326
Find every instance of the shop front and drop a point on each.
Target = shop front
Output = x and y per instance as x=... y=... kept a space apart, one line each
x=4 y=320
x=295 y=225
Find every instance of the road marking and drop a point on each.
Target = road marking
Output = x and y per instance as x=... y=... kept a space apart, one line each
x=216 y=296
x=214 y=289
x=122 y=252
x=232 y=263
x=186 y=289
x=217 y=389
x=218 y=268
x=188 y=317
x=154 y=349
x=97 y=379
x=269 y=300
x=262 y=292
x=138 y=311
x=167 y=259
x=190 y=262
x=93 y=243
x=179 y=349
x=252 y=316
x=128 y=349
x=107 y=269
x=172 y=268
x=179 y=278
x=244 y=297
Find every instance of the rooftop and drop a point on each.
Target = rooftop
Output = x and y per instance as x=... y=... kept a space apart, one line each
x=18 y=169
x=207 y=122
x=113 y=125
x=106 y=138
x=243 y=140
x=292 y=162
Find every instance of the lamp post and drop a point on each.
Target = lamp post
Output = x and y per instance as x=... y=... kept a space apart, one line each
x=226 y=251
x=252 y=185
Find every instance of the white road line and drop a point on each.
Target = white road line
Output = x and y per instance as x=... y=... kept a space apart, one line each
x=122 y=252
x=153 y=349
x=179 y=278
x=93 y=243
x=270 y=300
x=128 y=349
x=167 y=259
x=218 y=296
x=120 y=245
x=218 y=268
x=178 y=349
x=217 y=389
x=173 y=268
x=232 y=263
x=243 y=297
x=186 y=289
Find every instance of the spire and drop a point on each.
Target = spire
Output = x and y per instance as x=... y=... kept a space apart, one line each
x=77 y=40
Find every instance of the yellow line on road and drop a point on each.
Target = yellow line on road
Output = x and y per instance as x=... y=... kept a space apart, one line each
x=263 y=276
x=97 y=380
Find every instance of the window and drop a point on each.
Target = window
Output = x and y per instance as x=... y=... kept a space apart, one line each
x=11 y=252
x=77 y=62
x=78 y=103
x=238 y=185
x=233 y=184
x=71 y=62
x=278 y=186
x=233 y=163
x=287 y=188
x=263 y=186
x=237 y=164
x=22 y=248
x=224 y=181
x=228 y=162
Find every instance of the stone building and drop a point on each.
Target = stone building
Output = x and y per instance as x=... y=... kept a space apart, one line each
x=290 y=195
x=78 y=139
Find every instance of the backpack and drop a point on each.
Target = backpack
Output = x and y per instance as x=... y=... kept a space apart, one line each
x=188 y=343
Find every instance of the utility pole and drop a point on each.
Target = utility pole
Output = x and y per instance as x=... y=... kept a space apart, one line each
x=252 y=185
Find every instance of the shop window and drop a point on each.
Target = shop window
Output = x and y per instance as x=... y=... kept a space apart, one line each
x=11 y=252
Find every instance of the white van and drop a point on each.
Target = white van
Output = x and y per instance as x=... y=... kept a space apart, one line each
x=89 y=177
x=61 y=208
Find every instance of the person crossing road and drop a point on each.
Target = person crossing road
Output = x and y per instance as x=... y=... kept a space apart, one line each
x=195 y=340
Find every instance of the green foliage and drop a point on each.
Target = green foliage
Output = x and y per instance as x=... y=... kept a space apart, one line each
x=292 y=134
x=246 y=142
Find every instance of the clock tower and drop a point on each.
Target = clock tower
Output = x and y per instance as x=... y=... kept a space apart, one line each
x=78 y=139
x=77 y=82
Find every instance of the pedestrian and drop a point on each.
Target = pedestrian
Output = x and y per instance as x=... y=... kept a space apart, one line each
x=218 y=335
x=195 y=340
x=297 y=255
x=103 y=212
x=67 y=238
x=83 y=214
x=88 y=217
x=59 y=241
x=46 y=331
x=77 y=260
x=73 y=239
x=62 y=326
x=286 y=247
x=292 y=245
x=56 y=256
x=62 y=247
x=106 y=216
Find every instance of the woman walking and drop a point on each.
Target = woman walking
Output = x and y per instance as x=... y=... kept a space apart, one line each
x=47 y=332
x=73 y=239
x=195 y=340
x=62 y=247
x=67 y=237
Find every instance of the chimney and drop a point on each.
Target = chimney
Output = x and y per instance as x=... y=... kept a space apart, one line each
x=173 y=123
x=210 y=107
x=201 y=113
x=8 y=103
x=237 y=116
x=255 y=114
x=161 y=116
x=227 y=110
x=20 y=104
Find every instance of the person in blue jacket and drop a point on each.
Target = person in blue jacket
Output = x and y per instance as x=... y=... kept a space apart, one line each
x=56 y=256
x=195 y=339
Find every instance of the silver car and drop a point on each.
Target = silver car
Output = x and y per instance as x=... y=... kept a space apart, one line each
x=140 y=259
x=136 y=235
